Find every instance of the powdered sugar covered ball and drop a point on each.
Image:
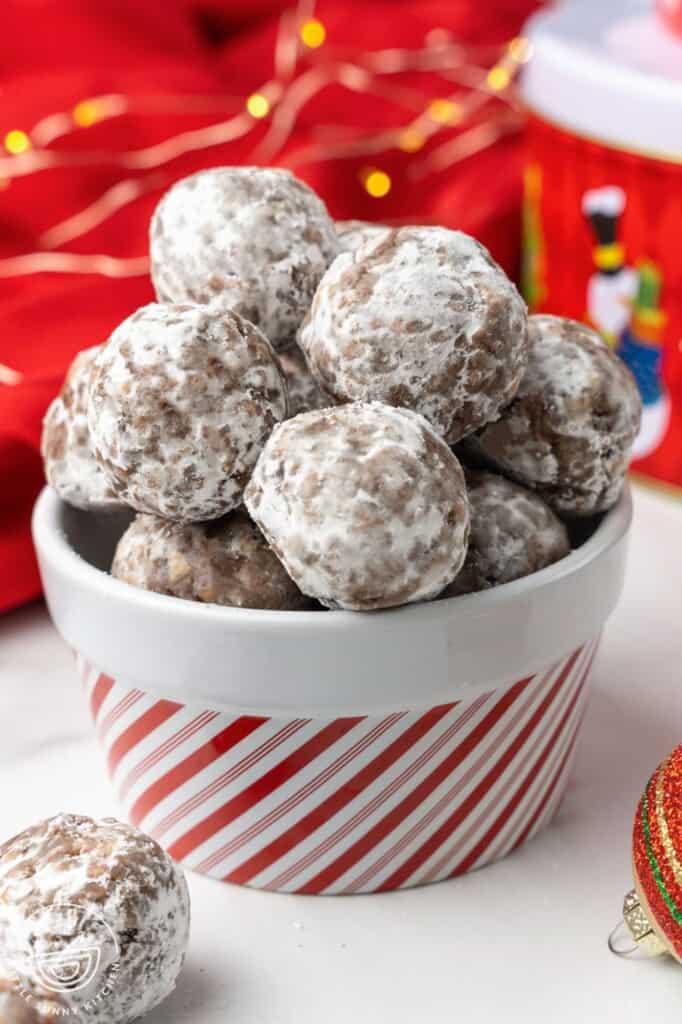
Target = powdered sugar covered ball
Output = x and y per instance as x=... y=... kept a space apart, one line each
x=354 y=233
x=420 y=318
x=513 y=533
x=181 y=403
x=569 y=432
x=225 y=562
x=95 y=912
x=18 y=1005
x=304 y=391
x=364 y=504
x=70 y=465
x=253 y=239
x=13 y=1008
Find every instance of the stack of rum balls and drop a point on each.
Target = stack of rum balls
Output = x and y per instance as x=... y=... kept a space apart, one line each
x=289 y=420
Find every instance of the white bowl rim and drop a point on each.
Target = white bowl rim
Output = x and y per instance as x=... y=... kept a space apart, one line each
x=54 y=546
x=416 y=656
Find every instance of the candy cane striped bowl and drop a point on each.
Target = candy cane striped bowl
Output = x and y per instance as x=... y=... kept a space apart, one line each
x=333 y=752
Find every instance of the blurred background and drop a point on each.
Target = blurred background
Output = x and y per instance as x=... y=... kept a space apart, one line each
x=399 y=111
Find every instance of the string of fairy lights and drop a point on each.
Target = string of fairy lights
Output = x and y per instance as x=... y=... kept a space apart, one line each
x=479 y=103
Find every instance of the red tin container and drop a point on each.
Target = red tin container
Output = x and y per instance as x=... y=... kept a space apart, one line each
x=603 y=197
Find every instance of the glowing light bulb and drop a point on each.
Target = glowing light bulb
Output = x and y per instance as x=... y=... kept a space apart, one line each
x=498 y=78
x=86 y=113
x=258 y=105
x=444 y=111
x=17 y=142
x=411 y=140
x=377 y=183
x=313 y=33
x=520 y=50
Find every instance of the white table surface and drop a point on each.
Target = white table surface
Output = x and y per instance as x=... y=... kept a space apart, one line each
x=522 y=940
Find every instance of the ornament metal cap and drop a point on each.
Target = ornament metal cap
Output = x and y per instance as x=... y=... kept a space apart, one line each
x=637 y=922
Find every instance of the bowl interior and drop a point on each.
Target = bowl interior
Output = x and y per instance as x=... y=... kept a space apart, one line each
x=94 y=535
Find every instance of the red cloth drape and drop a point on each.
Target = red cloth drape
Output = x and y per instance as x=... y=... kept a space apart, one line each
x=56 y=53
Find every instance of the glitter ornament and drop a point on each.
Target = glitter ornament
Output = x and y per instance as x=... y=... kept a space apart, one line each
x=652 y=911
x=671 y=13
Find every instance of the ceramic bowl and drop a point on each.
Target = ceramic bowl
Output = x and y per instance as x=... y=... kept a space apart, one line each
x=333 y=752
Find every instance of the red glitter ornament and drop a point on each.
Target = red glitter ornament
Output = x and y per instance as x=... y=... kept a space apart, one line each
x=671 y=13
x=653 y=910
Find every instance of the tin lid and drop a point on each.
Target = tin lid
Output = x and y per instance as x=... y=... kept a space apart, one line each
x=609 y=71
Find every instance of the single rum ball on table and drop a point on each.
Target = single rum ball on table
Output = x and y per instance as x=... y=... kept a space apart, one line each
x=70 y=465
x=182 y=400
x=364 y=504
x=421 y=318
x=569 y=431
x=226 y=562
x=513 y=534
x=252 y=239
x=72 y=883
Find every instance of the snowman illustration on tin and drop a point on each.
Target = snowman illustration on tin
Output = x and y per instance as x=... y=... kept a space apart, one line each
x=623 y=304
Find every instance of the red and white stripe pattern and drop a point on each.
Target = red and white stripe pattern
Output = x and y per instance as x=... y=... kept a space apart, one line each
x=344 y=805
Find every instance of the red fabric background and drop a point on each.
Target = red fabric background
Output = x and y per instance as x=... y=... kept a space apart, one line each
x=55 y=53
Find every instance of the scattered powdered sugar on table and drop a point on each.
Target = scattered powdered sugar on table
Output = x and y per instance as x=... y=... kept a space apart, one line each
x=254 y=239
x=70 y=465
x=225 y=562
x=421 y=318
x=513 y=533
x=364 y=504
x=67 y=886
x=181 y=403
x=570 y=430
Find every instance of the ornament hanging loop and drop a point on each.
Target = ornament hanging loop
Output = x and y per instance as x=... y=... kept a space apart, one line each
x=619 y=933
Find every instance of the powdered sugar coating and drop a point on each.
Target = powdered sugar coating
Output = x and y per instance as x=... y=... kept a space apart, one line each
x=226 y=562
x=14 y=1009
x=70 y=883
x=421 y=318
x=513 y=533
x=569 y=432
x=18 y=1006
x=304 y=391
x=253 y=239
x=354 y=233
x=364 y=504
x=181 y=403
x=70 y=465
